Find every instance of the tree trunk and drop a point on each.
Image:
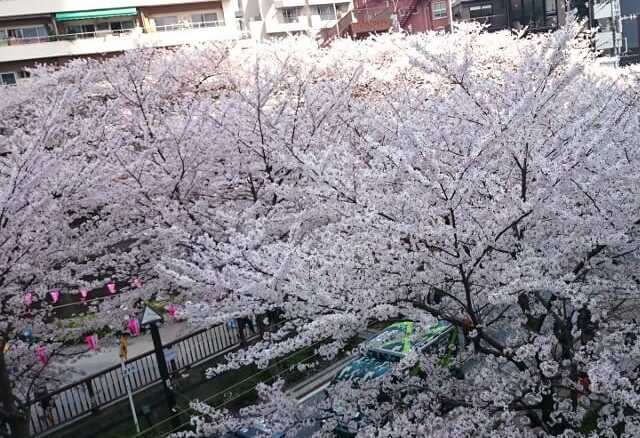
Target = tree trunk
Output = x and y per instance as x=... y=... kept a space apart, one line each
x=553 y=427
x=15 y=417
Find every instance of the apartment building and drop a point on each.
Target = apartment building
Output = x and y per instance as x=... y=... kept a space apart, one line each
x=54 y=31
x=282 y=17
x=372 y=16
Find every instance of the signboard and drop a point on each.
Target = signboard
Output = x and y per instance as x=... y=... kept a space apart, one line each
x=170 y=354
x=149 y=316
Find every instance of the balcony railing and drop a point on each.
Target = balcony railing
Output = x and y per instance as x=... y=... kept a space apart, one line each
x=65 y=37
x=107 y=33
x=288 y=19
x=188 y=26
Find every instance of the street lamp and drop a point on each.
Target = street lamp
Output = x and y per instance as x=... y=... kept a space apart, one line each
x=151 y=318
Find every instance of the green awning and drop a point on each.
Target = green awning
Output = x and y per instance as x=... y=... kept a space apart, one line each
x=102 y=13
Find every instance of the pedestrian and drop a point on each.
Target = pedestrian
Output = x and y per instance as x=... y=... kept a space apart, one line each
x=248 y=324
x=47 y=404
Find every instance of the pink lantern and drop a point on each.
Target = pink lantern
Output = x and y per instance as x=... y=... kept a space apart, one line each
x=172 y=311
x=28 y=299
x=55 y=295
x=112 y=287
x=83 y=294
x=134 y=327
x=41 y=352
x=138 y=282
x=92 y=341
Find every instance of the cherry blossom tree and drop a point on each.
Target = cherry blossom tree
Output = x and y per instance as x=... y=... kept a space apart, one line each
x=488 y=180
x=64 y=227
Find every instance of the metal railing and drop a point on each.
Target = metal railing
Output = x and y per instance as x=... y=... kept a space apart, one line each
x=24 y=40
x=65 y=37
x=94 y=392
x=189 y=26
x=108 y=33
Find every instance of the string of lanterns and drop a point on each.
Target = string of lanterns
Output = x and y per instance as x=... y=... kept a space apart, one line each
x=92 y=340
x=84 y=293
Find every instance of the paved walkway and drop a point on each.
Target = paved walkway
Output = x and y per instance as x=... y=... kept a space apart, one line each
x=107 y=355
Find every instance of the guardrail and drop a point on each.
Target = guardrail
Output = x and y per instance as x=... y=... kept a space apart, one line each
x=94 y=392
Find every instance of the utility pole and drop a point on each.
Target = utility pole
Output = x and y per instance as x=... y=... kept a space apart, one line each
x=127 y=383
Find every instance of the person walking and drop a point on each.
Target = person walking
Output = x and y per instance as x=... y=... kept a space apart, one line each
x=47 y=404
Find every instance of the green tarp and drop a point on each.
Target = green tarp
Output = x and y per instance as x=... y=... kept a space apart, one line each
x=102 y=13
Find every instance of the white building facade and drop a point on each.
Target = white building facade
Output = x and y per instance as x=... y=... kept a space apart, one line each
x=54 y=31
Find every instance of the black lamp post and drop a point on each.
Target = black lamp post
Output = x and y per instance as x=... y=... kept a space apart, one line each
x=150 y=318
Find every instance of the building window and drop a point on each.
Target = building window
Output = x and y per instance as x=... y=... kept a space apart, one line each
x=8 y=78
x=25 y=34
x=439 y=10
x=166 y=23
x=82 y=30
x=191 y=21
x=480 y=11
x=326 y=12
x=121 y=26
x=290 y=15
x=534 y=13
x=209 y=19
x=29 y=32
x=111 y=27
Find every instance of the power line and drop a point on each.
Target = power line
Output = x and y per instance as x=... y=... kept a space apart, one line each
x=242 y=393
x=225 y=390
